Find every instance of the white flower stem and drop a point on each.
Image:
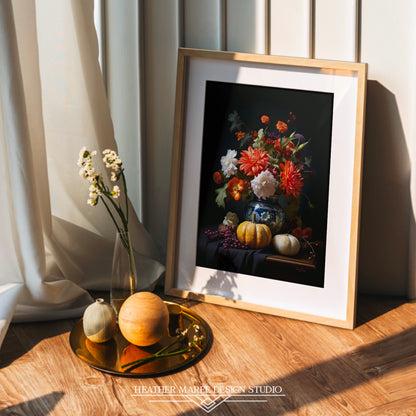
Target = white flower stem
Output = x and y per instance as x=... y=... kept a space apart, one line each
x=125 y=196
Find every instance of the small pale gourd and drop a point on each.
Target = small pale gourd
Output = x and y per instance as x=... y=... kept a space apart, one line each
x=286 y=244
x=99 y=321
x=143 y=319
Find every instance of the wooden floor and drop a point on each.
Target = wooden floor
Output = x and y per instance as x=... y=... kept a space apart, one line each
x=321 y=370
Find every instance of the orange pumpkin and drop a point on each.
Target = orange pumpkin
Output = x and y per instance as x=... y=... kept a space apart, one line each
x=254 y=235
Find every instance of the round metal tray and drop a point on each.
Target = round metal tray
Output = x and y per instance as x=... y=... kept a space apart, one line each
x=110 y=356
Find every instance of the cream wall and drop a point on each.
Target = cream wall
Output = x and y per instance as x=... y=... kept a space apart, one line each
x=379 y=32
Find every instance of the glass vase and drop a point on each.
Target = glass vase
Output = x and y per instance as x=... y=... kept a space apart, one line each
x=124 y=275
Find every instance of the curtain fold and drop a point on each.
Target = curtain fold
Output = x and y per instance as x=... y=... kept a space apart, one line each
x=52 y=102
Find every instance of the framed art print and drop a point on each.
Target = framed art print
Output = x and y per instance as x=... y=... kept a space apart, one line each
x=266 y=183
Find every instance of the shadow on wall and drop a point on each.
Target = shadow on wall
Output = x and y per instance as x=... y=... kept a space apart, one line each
x=384 y=232
x=222 y=283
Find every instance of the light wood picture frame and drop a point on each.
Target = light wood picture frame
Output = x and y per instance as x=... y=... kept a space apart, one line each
x=216 y=88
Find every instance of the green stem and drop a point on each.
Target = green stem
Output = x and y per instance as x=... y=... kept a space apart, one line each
x=155 y=355
x=158 y=354
x=138 y=363
x=111 y=214
x=132 y=268
x=119 y=211
x=124 y=236
x=125 y=195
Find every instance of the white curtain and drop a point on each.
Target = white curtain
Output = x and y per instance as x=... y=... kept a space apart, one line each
x=52 y=102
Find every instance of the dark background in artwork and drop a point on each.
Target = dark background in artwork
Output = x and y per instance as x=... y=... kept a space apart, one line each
x=313 y=112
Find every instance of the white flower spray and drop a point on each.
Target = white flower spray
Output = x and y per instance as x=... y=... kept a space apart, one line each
x=99 y=191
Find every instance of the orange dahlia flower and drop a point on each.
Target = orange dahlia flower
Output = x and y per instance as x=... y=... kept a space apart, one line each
x=290 y=179
x=235 y=187
x=253 y=161
x=281 y=127
x=265 y=119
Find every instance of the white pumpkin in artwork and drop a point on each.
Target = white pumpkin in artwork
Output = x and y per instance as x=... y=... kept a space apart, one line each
x=286 y=244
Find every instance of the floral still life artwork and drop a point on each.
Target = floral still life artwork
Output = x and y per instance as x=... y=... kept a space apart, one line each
x=263 y=202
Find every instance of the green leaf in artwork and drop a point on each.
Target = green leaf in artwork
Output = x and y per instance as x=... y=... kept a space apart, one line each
x=308 y=161
x=301 y=146
x=258 y=143
x=235 y=121
x=221 y=195
x=246 y=141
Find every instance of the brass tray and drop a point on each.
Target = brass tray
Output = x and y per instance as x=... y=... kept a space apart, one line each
x=111 y=355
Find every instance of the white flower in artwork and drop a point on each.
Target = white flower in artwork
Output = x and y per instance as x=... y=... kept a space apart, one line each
x=264 y=184
x=231 y=219
x=229 y=163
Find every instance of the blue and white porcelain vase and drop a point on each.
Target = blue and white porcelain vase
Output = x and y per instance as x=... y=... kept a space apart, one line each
x=267 y=211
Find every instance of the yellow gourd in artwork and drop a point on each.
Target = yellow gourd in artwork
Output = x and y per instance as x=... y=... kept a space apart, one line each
x=255 y=235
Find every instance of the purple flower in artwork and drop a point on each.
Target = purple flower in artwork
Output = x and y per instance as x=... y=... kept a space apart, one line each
x=272 y=135
x=299 y=136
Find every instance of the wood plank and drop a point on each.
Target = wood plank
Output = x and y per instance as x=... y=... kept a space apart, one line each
x=301 y=263
x=405 y=407
x=311 y=368
x=322 y=370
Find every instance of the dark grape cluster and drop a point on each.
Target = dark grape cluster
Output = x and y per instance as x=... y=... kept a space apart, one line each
x=228 y=237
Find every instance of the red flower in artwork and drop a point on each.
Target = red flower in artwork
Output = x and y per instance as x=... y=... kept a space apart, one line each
x=217 y=178
x=281 y=127
x=235 y=187
x=287 y=151
x=253 y=161
x=265 y=119
x=297 y=232
x=305 y=233
x=290 y=179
